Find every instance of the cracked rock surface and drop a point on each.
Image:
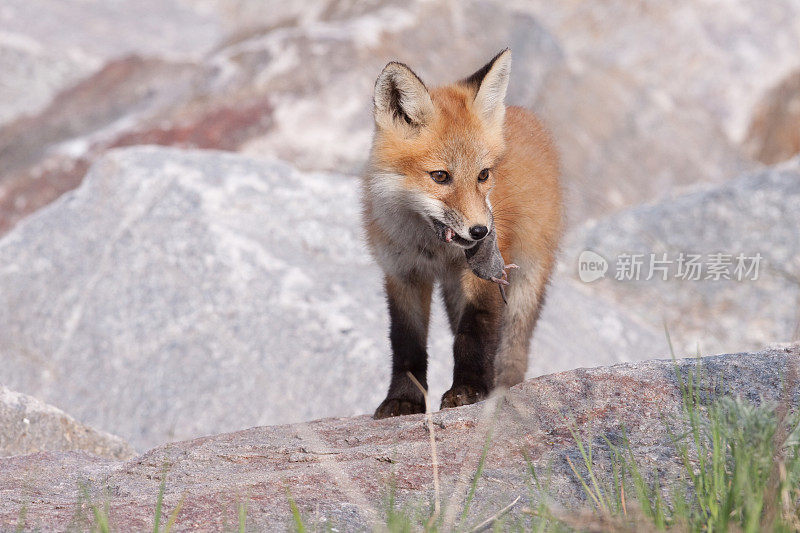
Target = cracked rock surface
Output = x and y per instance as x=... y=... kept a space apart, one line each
x=338 y=469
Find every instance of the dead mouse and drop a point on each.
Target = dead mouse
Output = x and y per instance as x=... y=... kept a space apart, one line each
x=486 y=262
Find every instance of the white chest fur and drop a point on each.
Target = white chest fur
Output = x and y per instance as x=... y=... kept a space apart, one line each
x=412 y=248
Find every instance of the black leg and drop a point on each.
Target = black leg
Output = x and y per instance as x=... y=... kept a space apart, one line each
x=409 y=311
x=474 y=350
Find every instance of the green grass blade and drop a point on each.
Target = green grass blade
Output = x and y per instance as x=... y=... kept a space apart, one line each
x=23 y=512
x=160 y=501
x=300 y=527
x=586 y=453
x=173 y=516
x=243 y=515
x=481 y=463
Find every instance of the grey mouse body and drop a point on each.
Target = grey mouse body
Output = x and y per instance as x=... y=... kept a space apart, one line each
x=484 y=258
x=487 y=263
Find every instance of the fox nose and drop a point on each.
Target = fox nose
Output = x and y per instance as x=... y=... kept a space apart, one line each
x=478 y=232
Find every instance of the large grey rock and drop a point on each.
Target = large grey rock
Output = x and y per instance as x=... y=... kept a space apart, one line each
x=642 y=100
x=754 y=214
x=621 y=146
x=180 y=293
x=339 y=470
x=713 y=63
x=48 y=45
x=291 y=86
x=312 y=63
x=655 y=97
x=71 y=79
x=322 y=70
x=28 y=425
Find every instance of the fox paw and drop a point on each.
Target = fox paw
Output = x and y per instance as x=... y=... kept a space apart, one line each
x=462 y=395
x=397 y=407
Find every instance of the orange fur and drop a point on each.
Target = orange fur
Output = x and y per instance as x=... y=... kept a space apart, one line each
x=524 y=186
x=458 y=129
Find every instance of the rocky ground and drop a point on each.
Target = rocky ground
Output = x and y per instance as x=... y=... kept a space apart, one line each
x=338 y=470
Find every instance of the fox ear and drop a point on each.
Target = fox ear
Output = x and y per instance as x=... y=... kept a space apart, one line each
x=490 y=84
x=401 y=98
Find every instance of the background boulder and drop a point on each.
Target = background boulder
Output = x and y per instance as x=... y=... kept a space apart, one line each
x=208 y=292
x=755 y=216
x=642 y=99
x=28 y=425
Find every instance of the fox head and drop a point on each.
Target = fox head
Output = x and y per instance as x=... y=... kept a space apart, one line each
x=434 y=150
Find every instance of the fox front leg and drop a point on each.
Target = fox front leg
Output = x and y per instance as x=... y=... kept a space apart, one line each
x=475 y=345
x=409 y=312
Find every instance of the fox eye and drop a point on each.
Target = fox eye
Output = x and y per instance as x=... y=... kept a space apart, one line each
x=440 y=176
x=484 y=175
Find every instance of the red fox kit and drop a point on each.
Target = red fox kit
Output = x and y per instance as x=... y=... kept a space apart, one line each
x=460 y=190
